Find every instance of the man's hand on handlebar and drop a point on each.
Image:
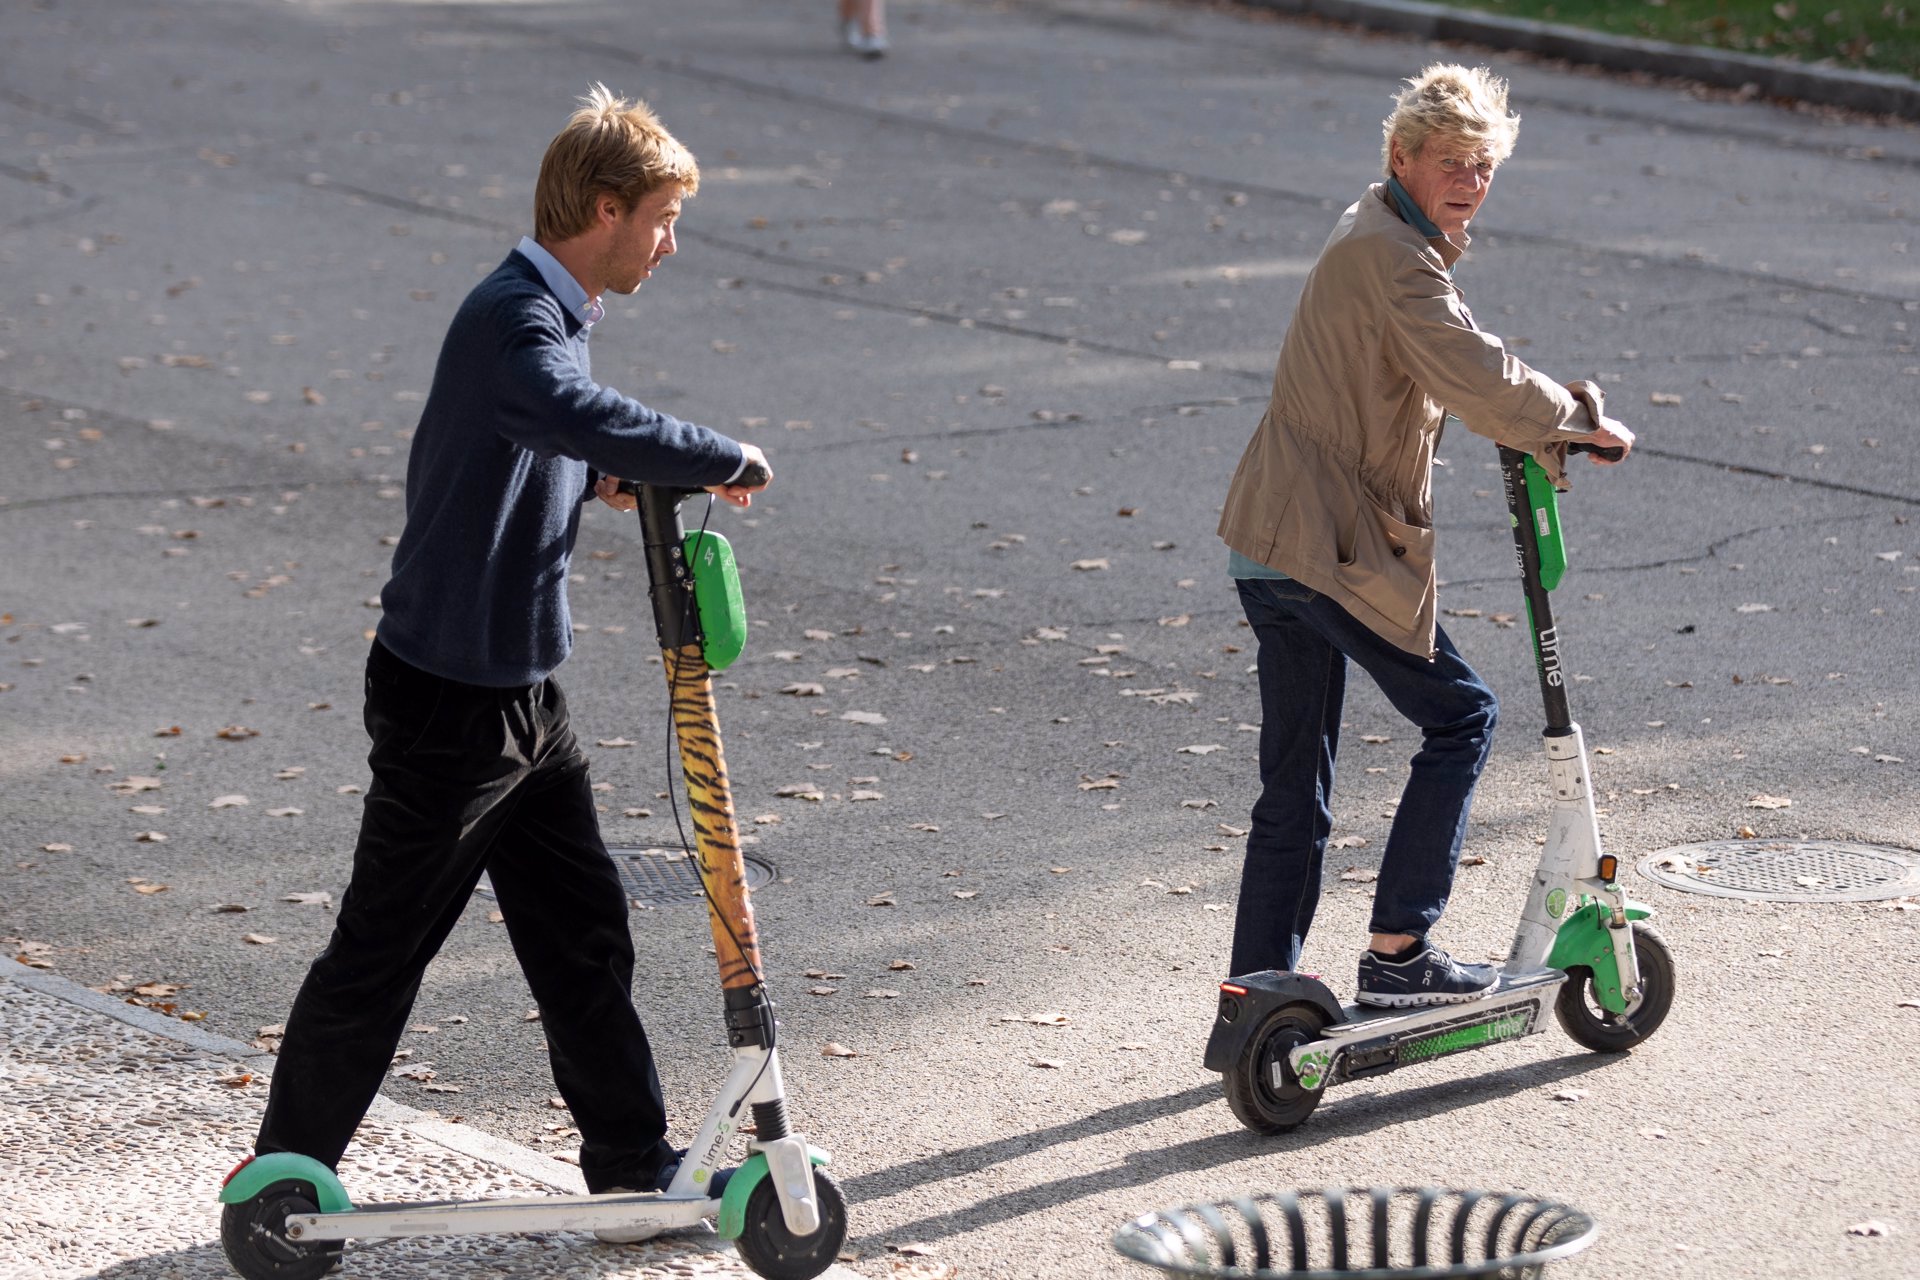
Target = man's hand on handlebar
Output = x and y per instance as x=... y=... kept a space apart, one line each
x=1613 y=437
x=754 y=476
x=608 y=490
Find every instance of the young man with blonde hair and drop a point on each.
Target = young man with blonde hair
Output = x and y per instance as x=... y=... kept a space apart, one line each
x=475 y=766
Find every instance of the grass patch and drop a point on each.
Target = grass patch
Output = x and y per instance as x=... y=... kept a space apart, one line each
x=1868 y=35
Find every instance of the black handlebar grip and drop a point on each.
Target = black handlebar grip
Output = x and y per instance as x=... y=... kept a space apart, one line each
x=1611 y=454
x=753 y=475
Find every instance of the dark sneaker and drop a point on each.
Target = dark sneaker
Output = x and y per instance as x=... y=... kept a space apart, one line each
x=1423 y=974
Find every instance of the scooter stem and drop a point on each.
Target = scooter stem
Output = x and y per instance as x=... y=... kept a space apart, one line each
x=704 y=767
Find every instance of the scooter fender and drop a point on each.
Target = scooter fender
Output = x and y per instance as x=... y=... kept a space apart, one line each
x=261 y=1172
x=1585 y=941
x=1245 y=1001
x=733 y=1201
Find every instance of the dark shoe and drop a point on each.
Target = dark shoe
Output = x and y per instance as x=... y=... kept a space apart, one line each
x=1423 y=974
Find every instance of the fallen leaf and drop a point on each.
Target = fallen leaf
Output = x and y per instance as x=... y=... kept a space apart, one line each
x=316 y=898
x=1377 y=739
x=258 y=939
x=235 y=732
x=1668 y=398
x=799 y=791
x=1197 y=804
x=1039 y=1019
x=1871 y=1227
x=834 y=1049
x=1200 y=749
x=151 y=837
x=285 y=813
x=1753 y=608
x=882 y=900
x=1570 y=1095
x=142 y=886
x=882 y=993
x=1359 y=875
x=614 y=742
x=1765 y=801
x=1088 y=566
x=1100 y=784
x=863 y=717
x=964 y=894
x=1047 y=1064
x=801 y=689
x=1347 y=842
x=858 y=796
x=56 y=848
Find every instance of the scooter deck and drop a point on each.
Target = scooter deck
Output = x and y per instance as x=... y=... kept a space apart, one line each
x=524 y=1214
x=1371 y=1040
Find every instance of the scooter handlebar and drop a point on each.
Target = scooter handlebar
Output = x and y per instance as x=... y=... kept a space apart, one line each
x=1611 y=454
x=753 y=476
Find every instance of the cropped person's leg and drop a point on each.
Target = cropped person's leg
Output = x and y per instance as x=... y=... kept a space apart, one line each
x=566 y=913
x=440 y=778
x=1456 y=713
x=1302 y=685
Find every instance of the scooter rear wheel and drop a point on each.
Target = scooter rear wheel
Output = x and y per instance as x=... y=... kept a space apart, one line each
x=254 y=1235
x=775 y=1252
x=1587 y=1021
x=1262 y=1089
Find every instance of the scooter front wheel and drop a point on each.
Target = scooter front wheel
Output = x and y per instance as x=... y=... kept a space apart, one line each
x=254 y=1235
x=775 y=1252
x=1587 y=1021
x=1262 y=1088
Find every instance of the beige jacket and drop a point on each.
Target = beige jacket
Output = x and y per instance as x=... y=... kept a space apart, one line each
x=1336 y=486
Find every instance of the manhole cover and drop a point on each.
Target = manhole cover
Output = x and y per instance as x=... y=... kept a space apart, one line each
x=662 y=877
x=1786 y=870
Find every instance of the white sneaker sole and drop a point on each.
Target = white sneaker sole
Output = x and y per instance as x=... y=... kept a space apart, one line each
x=1418 y=999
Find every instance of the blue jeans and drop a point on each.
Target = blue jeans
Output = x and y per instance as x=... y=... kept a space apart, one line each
x=1305 y=642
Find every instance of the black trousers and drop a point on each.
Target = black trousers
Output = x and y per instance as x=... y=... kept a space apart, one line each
x=468 y=779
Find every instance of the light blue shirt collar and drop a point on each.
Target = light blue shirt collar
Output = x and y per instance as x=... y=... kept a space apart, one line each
x=574 y=298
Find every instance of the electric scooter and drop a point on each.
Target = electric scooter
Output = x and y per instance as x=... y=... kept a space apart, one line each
x=1281 y=1038
x=287 y=1216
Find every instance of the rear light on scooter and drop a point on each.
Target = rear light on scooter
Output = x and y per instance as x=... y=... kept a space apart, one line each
x=1233 y=988
x=236 y=1169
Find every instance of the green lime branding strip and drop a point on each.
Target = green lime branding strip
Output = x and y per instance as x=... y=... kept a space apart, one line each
x=1510 y=1027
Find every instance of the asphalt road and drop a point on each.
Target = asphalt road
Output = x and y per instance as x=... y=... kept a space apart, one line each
x=1005 y=301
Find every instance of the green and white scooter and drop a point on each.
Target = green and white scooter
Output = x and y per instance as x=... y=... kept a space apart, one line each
x=1281 y=1039
x=286 y=1216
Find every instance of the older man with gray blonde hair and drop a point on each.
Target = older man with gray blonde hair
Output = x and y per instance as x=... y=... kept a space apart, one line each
x=1329 y=525
x=475 y=765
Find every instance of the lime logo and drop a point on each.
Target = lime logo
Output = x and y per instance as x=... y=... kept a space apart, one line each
x=1556 y=903
x=1313 y=1068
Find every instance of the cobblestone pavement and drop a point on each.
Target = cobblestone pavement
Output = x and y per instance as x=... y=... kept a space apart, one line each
x=122 y=1134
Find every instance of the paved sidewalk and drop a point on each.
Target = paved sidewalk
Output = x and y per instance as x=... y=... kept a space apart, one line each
x=122 y=1122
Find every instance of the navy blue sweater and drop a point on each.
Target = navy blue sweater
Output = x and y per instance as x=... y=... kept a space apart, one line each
x=513 y=430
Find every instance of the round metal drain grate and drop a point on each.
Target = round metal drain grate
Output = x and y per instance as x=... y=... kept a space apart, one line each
x=663 y=877
x=1786 y=870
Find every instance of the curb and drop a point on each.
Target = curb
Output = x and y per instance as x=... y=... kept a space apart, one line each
x=462 y=1138
x=1873 y=92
